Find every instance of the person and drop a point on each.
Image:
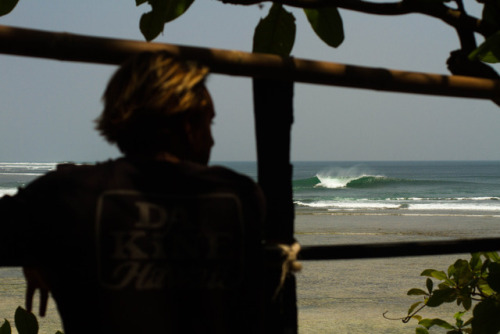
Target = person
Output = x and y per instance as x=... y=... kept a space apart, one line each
x=155 y=241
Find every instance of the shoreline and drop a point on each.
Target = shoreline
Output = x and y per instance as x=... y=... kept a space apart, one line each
x=301 y=211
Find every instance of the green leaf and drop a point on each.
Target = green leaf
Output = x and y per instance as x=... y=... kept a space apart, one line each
x=275 y=33
x=152 y=23
x=468 y=322
x=486 y=289
x=427 y=272
x=438 y=274
x=489 y=51
x=26 y=322
x=443 y=324
x=6 y=6
x=466 y=301
x=486 y=264
x=5 y=329
x=446 y=284
x=486 y=319
x=458 y=319
x=493 y=256
x=416 y=317
x=463 y=275
x=327 y=24
x=428 y=323
x=413 y=306
x=421 y=330
x=439 y=297
x=491 y=12
x=451 y=270
x=416 y=292
x=475 y=261
x=429 y=284
x=494 y=276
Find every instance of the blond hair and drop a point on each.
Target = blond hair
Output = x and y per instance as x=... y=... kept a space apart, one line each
x=146 y=95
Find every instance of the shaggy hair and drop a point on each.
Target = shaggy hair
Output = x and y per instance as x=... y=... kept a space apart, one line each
x=147 y=98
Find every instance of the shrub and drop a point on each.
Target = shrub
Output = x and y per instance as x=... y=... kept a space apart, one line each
x=467 y=283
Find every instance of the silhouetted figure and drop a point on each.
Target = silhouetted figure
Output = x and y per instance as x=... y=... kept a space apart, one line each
x=156 y=241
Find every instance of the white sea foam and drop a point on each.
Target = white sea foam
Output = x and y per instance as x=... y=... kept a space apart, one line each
x=20 y=174
x=483 y=198
x=455 y=206
x=28 y=165
x=333 y=182
x=7 y=191
x=347 y=205
x=487 y=198
x=334 y=178
x=407 y=205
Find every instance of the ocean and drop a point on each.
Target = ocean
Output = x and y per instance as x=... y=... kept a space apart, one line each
x=403 y=187
x=350 y=203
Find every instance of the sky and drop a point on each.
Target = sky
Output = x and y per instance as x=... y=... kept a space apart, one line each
x=47 y=107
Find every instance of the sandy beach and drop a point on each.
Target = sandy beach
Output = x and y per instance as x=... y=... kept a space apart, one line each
x=350 y=296
x=340 y=296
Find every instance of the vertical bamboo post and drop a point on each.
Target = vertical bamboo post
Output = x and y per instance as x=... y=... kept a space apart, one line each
x=273 y=109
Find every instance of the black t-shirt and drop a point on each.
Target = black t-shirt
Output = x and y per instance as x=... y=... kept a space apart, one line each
x=142 y=247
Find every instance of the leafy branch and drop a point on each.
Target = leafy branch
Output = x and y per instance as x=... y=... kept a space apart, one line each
x=467 y=283
x=437 y=9
x=465 y=25
x=275 y=34
x=25 y=321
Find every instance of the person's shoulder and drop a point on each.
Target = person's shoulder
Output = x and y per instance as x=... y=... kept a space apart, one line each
x=217 y=175
x=70 y=169
x=228 y=174
x=81 y=167
x=67 y=173
x=228 y=178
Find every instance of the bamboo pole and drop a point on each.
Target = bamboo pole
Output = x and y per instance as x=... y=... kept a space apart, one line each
x=398 y=249
x=72 y=47
x=273 y=112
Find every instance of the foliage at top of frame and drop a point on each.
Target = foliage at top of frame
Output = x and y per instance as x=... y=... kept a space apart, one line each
x=162 y=12
x=6 y=6
x=275 y=33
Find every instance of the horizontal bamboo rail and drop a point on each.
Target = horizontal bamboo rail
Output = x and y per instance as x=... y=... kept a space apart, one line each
x=72 y=47
x=398 y=249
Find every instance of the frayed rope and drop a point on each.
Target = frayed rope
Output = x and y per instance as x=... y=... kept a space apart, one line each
x=289 y=263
